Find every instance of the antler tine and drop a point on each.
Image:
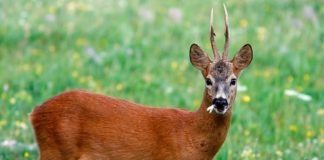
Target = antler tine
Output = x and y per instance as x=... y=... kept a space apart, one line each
x=212 y=35
x=226 y=45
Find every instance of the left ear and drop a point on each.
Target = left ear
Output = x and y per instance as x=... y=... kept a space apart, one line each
x=243 y=58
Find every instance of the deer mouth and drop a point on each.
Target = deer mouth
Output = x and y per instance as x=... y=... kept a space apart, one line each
x=221 y=109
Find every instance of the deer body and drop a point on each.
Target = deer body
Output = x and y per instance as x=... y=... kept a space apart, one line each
x=83 y=125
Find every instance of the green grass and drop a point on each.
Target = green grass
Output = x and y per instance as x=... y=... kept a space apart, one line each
x=116 y=48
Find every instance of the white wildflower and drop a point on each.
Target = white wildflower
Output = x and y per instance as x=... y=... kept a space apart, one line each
x=89 y=51
x=13 y=144
x=310 y=13
x=175 y=14
x=241 y=88
x=50 y=18
x=301 y=96
x=8 y=143
x=122 y=3
x=168 y=90
x=5 y=87
x=247 y=153
x=146 y=14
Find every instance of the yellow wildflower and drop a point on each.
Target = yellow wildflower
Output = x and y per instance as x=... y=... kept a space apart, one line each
x=246 y=132
x=196 y=102
x=261 y=33
x=293 y=128
x=75 y=56
x=52 y=10
x=299 y=88
x=147 y=78
x=52 y=48
x=3 y=123
x=26 y=154
x=267 y=73
x=71 y=6
x=229 y=154
x=308 y=134
x=82 y=79
x=279 y=153
x=3 y=96
x=17 y=132
x=320 y=112
x=119 y=87
x=21 y=125
x=75 y=74
x=243 y=23
x=25 y=67
x=81 y=41
x=38 y=69
x=321 y=140
x=174 y=65
x=92 y=83
x=24 y=95
x=306 y=77
x=84 y=7
x=34 y=52
x=290 y=78
x=246 y=98
x=12 y=100
x=181 y=80
x=248 y=153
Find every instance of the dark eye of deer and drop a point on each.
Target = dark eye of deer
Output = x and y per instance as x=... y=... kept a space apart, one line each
x=208 y=82
x=233 y=82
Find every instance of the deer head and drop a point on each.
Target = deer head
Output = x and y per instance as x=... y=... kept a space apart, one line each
x=220 y=74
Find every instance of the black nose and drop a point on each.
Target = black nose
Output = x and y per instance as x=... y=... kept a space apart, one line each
x=220 y=103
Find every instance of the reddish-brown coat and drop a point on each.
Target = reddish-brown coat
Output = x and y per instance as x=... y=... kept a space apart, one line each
x=83 y=125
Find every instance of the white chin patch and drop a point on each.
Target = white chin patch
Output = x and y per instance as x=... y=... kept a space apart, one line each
x=212 y=108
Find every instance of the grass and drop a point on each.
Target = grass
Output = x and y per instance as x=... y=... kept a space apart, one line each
x=138 y=50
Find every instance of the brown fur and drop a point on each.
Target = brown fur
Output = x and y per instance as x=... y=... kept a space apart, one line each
x=83 y=125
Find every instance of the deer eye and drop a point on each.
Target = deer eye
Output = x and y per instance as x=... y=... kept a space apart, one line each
x=233 y=82
x=208 y=82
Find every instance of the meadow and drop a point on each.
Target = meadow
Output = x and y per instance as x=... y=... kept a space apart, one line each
x=139 y=50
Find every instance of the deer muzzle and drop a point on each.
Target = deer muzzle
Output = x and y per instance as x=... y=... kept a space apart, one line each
x=221 y=105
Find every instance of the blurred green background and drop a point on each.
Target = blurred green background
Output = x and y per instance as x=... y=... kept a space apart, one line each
x=138 y=50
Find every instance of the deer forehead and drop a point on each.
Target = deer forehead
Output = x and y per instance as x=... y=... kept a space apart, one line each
x=221 y=70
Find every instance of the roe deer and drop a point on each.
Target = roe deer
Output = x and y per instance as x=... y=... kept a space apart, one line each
x=83 y=125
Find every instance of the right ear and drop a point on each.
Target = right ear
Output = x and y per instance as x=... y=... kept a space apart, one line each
x=199 y=58
x=243 y=58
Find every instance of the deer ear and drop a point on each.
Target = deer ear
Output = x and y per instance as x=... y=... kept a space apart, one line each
x=244 y=57
x=198 y=58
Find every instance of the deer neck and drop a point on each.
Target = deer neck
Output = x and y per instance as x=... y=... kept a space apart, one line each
x=212 y=121
x=211 y=126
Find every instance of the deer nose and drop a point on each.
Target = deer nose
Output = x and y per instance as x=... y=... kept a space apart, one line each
x=220 y=103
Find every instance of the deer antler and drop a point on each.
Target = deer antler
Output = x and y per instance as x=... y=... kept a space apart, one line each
x=226 y=45
x=212 y=40
x=212 y=36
